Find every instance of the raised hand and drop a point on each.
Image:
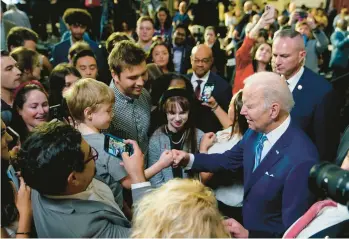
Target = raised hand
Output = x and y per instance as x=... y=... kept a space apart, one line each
x=235 y=228
x=207 y=141
x=134 y=164
x=180 y=158
x=166 y=159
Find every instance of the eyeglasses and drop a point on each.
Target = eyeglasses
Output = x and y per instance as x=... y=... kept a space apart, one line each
x=204 y=61
x=94 y=155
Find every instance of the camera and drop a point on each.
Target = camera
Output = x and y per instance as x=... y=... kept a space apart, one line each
x=329 y=180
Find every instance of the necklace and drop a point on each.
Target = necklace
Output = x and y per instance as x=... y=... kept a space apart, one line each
x=181 y=139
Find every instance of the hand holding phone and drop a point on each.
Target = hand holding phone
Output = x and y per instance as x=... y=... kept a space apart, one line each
x=116 y=146
x=207 y=92
x=270 y=10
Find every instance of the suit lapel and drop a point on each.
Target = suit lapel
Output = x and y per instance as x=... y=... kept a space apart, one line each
x=272 y=157
x=300 y=86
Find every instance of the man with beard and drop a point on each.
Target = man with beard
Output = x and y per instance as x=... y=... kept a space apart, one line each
x=132 y=106
x=78 y=21
x=181 y=50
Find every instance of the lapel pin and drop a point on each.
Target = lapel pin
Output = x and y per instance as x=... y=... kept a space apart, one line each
x=277 y=152
x=300 y=87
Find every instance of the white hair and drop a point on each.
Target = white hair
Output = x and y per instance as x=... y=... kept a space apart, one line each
x=275 y=89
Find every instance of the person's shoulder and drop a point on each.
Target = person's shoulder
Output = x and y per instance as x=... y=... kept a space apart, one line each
x=92 y=44
x=62 y=44
x=317 y=81
x=158 y=133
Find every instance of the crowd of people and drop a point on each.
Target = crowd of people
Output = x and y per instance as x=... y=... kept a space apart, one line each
x=224 y=122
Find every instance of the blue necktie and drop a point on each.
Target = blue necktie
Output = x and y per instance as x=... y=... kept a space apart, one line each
x=259 y=149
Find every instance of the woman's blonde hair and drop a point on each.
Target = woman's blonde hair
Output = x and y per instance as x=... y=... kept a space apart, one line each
x=180 y=208
x=87 y=93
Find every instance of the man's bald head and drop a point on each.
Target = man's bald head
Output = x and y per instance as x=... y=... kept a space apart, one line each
x=292 y=34
x=202 y=49
x=201 y=59
x=274 y=87
x=248 y=6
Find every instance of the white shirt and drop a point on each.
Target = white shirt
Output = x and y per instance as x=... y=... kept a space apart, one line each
x=293 y=81
x=272 y=137
x=204 y=79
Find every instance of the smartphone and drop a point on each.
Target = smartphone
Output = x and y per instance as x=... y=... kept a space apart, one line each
x=56 y=112
x=302 y=15
x=11 y=174
x=207 y=92
x=16 y=140
x=270 y=11
x=116 y=146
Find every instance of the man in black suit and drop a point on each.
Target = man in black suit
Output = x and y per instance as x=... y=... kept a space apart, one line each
x=209 y=117
x=181 y=49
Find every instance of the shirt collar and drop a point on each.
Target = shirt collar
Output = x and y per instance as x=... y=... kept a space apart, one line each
x=293 y=81
x=120 y=95
x=275 y=134
x=204 y=78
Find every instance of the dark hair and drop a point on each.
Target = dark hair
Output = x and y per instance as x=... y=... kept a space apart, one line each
x=57 y=81
x=170 y=65
x=17 y=36
x=240 y=122
x=168 y=22
x=77 y=47
x=83 y=53
x=49 y=155
x=20 y=97
x=211 y=28
x=125 y=54
x=186 y=102
x=26 y=59
x=263 y=33
x=255 y=62
x=4 y=53
x=115 y=38
x=181 y=25
x=79 y=16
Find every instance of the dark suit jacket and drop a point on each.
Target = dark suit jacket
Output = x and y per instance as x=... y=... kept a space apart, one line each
x=60 y=52
x=222 y=93
x=185 y=63
x=79 y=218
x=316 y=112
x=276 y=194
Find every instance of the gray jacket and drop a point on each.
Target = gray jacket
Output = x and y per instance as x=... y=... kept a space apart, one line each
x=158 y=143
x=79 y=218
x=315 y=47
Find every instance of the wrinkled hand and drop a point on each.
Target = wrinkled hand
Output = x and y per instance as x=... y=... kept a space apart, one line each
x=134 y=164
x=23 y=200
x=180 y=158
x=207 y=141
x=235 y=228
x=211 y=102
x=166 y=159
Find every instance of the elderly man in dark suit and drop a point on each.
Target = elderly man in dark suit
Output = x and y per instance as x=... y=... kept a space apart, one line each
x=275 y=154
x=59 y=165
x=316 y=105
x=215 y=111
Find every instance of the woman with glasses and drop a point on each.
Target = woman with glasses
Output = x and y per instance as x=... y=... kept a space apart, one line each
x=179 y=132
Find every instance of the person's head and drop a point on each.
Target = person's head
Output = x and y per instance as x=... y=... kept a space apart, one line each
x=342 y=24
x=62 y=77
x=182 y=7
x=90 y=102
x=282 y=20
x=320 y=12
x=263 y=53
x=55 y=160
x=77 y=47
x=239 y=121
x=5 y=140
x=85 y=62
x=145 y=29
x=28 y=63
x=22 y=36
x=262 y=36
x=344 y=12
x=31 y=104
x=114 y=38
x=180 y=35
x=292 y=7
x=163 y=18
x=128 y=67
x=78 y=20
x=190 y=203
x=10 y=74
x=267 y=101
x=248 y=6
x=288 y=52
x=160 y=54
x=303 y=28
x=201 y=59
x=210 y=36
